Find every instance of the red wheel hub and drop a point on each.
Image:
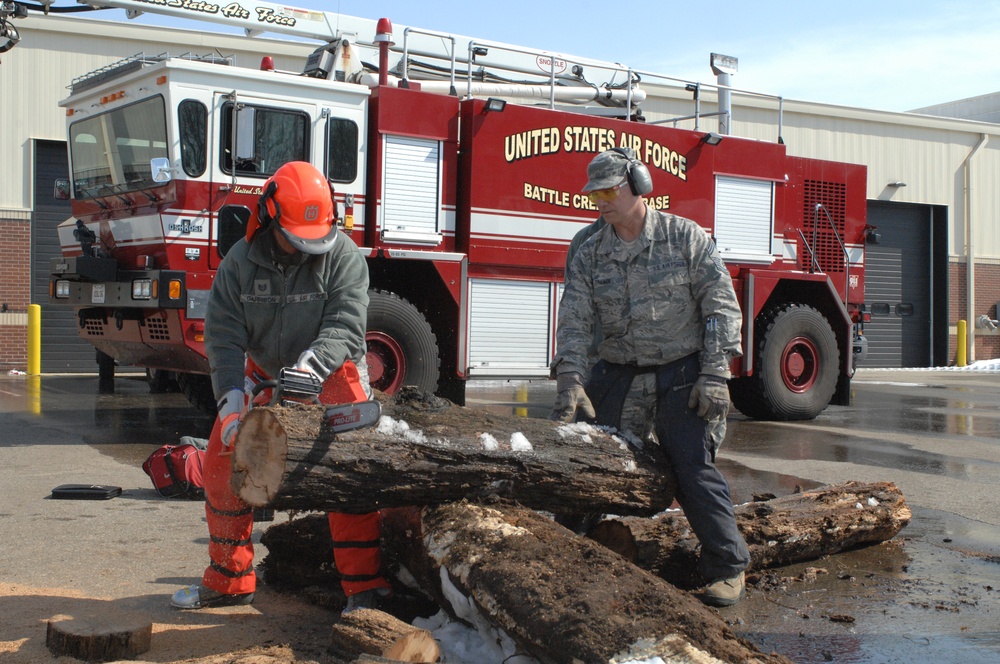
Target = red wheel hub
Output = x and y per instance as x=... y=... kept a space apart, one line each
x=799 y=364
x=386 y=362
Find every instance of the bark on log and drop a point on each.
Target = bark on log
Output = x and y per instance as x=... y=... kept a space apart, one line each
x=102 y=638
x=371 y=632
x=781 y=531
x=567 y=599
x=427 y=451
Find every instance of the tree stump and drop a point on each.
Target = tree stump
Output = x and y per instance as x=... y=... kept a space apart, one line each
x=427 y=451
x=103 y=638
x=373 y=632
x=781 y=531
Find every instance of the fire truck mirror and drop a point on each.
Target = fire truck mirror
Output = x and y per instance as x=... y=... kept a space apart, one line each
x=60 y=189
x=233 y=221
x=160 y=168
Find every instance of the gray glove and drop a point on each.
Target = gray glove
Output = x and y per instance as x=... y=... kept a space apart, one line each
x=311 y=362
x=710 y=395
x=571 y=398
x=231 y=407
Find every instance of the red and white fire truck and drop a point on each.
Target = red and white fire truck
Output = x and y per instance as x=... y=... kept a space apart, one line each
x=457 y=166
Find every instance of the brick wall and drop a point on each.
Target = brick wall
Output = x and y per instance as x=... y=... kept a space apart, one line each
x=987 y=296
x=15 y=291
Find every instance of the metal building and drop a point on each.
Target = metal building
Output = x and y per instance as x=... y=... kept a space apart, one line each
x=931 y=187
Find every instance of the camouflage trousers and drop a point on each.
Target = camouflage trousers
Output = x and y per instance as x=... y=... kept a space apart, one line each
x=639 y=413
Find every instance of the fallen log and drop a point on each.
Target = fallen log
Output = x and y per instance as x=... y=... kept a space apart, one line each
x=790 y=529
x=372 y=632
x=564 y=598
x=427 y=451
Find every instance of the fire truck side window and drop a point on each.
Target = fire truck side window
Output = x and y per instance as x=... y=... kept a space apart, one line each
x=192 y=119
x=266 y=138
x=342 y=150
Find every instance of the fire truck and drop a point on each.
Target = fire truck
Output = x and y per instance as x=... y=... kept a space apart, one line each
x=457 y=166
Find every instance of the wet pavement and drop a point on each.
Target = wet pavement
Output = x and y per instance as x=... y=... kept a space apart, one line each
x=930 y=595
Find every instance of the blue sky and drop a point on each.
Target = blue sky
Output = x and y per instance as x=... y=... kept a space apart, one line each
x=878 y=54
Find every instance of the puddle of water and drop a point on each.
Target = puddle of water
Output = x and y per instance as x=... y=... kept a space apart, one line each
x=908 y=600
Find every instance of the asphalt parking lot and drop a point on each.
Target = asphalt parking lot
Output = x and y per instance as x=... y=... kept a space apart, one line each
x=930 y=595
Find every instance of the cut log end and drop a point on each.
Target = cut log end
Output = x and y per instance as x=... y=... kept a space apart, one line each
x=368 y=632
x=261 y=445
x=102 y=638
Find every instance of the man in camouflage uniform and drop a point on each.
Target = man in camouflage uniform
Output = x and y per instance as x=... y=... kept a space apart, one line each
x=640 y=402
x=658 y=291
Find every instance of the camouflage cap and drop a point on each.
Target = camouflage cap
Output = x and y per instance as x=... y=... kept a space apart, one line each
x=607 y=169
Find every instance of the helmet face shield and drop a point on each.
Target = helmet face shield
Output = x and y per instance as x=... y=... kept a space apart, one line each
x=299 y=199
x=319 y=245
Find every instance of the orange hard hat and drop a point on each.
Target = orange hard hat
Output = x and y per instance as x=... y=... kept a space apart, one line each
x=299 y=199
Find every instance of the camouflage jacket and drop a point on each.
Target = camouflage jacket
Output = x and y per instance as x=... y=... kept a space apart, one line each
x=666 y=296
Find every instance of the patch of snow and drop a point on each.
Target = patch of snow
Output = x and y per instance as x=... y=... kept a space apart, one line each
x=519 y=443
x=399 y=428
x=460 y=644
x=489 y=442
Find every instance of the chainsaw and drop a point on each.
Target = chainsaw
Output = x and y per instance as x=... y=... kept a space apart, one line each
x=296 y=386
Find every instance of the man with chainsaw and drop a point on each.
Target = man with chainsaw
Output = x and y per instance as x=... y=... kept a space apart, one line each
x=658 y=291
x=292 y=297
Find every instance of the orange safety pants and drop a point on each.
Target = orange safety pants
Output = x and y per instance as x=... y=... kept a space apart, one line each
x=355 y=537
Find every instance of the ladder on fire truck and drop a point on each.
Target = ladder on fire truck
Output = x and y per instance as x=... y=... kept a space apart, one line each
x=436 y=61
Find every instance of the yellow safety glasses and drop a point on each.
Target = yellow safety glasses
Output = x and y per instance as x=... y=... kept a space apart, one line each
x=605 y=194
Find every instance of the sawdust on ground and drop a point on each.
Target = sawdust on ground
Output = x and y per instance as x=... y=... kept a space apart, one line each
x=276 y=629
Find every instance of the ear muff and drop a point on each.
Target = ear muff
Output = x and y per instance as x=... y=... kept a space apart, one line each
x=264 y=215
x=636 y=172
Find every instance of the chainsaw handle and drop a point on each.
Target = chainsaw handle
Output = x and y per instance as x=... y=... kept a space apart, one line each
x=263 y=385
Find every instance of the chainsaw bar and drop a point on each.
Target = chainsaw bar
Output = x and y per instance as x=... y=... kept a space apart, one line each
x=348 y=417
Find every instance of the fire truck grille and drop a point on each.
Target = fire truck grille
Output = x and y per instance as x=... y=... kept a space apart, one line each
x=157 y=329
x=823 y=203
x=94 y=327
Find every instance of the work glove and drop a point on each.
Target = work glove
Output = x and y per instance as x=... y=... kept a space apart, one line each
x=232 y=405
x=571 y=398
x=311 y=362
x=710 y=395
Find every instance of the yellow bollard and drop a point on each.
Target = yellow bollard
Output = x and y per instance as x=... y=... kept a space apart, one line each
x=960 y=345
x=34 y=339
x=521 y=394
x=33 y=394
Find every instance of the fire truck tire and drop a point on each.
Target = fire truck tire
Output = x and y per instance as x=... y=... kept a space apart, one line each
x=797 y=363
x=402 y=347
x=198 y=390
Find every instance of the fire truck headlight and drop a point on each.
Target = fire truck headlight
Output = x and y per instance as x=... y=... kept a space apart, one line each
x=62 y=288
x=142 y=289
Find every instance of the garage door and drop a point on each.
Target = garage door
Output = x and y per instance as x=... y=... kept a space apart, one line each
x=62 y=348
x=899 y=286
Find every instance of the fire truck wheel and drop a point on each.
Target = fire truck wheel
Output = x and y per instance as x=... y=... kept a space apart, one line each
x=797 y=364
x=198 y=390
x=402 y=347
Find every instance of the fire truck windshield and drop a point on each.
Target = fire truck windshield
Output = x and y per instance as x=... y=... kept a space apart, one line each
x=110 y=153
